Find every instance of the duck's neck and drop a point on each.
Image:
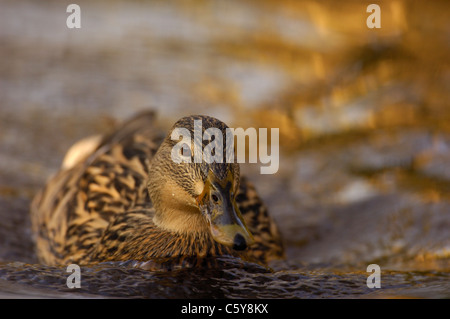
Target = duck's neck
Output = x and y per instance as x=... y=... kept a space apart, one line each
x=181 y=222
x=177 y=211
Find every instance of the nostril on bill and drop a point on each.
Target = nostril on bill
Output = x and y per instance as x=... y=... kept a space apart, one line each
x=239 y=242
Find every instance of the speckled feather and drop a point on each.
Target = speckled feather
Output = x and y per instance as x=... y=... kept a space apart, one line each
x=99 y=209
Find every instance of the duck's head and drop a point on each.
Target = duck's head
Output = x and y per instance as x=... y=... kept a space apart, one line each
x=199 y=196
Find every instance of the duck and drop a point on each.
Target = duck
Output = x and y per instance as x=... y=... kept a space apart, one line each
x=124 y=198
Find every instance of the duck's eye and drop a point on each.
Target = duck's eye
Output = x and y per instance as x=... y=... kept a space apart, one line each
x=215 y=198
x=186 y=150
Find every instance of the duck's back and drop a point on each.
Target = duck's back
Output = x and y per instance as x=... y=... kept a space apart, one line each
x=70 y=215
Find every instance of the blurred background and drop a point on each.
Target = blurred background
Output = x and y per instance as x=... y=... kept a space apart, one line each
x=364 y=114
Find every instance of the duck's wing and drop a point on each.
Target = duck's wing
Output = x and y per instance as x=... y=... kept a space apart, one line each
x=72 y=211
x=268 y=241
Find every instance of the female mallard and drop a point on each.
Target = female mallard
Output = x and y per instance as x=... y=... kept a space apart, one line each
x=128 y=200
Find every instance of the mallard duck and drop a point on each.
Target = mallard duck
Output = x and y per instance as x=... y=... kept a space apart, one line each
x=126 y=199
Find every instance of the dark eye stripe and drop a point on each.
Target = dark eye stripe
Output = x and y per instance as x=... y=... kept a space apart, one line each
x=186 y=150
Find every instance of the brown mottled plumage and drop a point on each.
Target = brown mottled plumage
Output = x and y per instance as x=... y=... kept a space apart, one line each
x=99 y=208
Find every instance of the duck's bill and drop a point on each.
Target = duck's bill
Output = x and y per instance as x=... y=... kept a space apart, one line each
x=226 y=222
x=228 y=228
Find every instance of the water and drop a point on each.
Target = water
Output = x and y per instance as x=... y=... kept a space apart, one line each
x=364 y=135
x=230 y=279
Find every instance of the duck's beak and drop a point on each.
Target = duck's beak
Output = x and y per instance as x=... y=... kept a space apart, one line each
x=219 y=207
